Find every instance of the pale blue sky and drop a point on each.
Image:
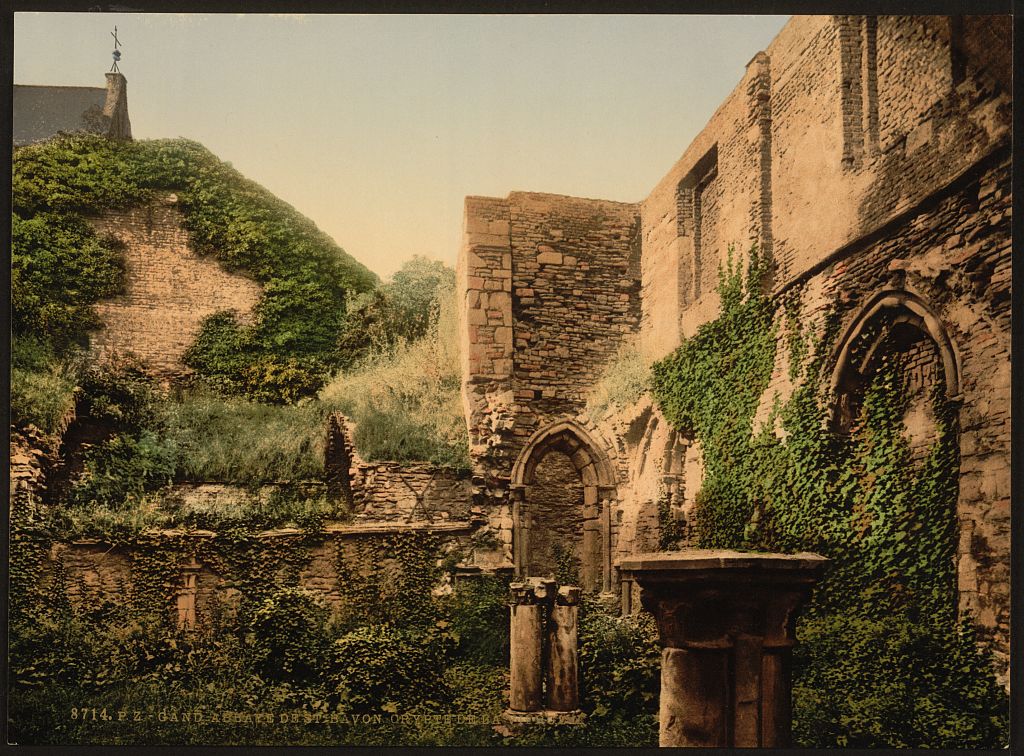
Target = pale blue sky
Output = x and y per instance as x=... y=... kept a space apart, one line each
x=376 y=127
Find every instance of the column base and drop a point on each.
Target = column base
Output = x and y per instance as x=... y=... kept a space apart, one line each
x=546 y=716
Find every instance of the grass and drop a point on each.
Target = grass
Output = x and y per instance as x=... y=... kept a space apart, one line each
x=405 y=402
x=237 y=441
x=42 y=398
x=624 y=380
x=284 y=508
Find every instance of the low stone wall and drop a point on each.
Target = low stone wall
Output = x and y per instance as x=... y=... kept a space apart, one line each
x=95 y=571
x=403 y=492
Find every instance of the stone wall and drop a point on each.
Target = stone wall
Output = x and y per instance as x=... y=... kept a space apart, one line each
x=870 y=157
x=550 y=293
x=170 y=289
x=95 y=571
x=410 y=492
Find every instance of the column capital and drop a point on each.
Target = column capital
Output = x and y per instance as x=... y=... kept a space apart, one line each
x=727 y=617
x=568 y=595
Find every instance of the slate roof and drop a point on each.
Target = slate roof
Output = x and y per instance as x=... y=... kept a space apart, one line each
x=40 y=112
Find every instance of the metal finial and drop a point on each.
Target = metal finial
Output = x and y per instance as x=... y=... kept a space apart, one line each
x=117 y=53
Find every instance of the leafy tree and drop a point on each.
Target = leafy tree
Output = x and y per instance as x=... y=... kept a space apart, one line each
x=400 y=310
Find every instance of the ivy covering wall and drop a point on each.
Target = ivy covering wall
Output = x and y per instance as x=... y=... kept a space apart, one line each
x=883 y=659
x=291 y=346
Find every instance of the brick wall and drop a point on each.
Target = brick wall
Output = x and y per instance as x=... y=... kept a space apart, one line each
x=870 y=156
x=170 y=289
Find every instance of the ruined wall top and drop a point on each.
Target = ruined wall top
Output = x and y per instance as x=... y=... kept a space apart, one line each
x=841 y=125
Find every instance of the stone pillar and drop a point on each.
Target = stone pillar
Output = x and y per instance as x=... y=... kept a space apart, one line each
x=563 y=688
x=726 y=621
x=187 y=594
x=526 y=650
x=607 y=495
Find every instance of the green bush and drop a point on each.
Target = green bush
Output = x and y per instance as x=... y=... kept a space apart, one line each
x=387 y=669
x=290 y=635
x=620 y=662
x=59 y=269
x=131 y=456
x=479 y=615
x=402 y=310
x=120 y=397
x=897 y=681
x=120 y=471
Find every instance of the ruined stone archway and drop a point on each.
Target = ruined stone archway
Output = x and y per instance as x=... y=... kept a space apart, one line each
x=893 y=322
x=563 y=489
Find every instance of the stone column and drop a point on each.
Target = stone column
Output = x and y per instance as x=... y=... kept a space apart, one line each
x=563 y=688
x=726 y=621
x=187 y=594
x=520 y=531
x=526 y=649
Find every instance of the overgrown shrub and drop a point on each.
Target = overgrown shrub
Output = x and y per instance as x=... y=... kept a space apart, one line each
x=290 y=635
x=894 y=682
x=479 y=615
x=59 y=269
x=406 y=401
x=620 y=662
x=402 y=310
x=42 y=385
x=121 y=470
x=386 y=669
x=132 y=457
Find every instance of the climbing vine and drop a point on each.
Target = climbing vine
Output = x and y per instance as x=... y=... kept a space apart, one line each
x=711 y=386
x=884 y=659
x=61 y=267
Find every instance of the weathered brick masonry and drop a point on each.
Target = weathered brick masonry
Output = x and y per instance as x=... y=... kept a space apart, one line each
x=170 y=289
x=871 y=157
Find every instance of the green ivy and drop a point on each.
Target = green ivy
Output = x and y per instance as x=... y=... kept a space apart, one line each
x=711 y=385
x=883 y=658
x=61 y=267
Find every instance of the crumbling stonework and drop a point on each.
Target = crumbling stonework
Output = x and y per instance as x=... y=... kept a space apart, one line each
x=869 y=156
x=94 y=571
x=170 y=289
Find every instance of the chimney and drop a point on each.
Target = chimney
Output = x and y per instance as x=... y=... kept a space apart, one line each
x=116 y=107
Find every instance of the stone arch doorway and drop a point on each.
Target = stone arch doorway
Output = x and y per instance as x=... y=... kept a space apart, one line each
x=563 y=490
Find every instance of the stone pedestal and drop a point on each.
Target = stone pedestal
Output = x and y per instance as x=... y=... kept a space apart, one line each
x=526 y=644
x=726 y=622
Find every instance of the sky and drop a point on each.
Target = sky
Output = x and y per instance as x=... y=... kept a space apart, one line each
x=378 y=127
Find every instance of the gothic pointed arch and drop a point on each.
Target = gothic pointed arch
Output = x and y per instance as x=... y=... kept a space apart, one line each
x=892 y=321
x=563 y=486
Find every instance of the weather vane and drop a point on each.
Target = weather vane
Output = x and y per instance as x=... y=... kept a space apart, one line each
x=117 y=53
